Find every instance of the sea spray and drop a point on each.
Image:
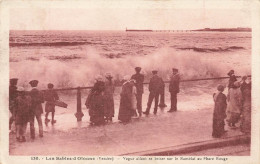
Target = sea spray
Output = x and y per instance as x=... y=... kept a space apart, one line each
x=82 y=72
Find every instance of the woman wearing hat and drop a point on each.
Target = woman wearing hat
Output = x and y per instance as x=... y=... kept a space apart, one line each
x=109 y=98
x=219 y=112
x=95 y=102
x=234 y=99
x=127 y=104
x=232 y=79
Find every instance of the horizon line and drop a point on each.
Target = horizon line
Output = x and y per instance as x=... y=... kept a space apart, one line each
x=125 y=29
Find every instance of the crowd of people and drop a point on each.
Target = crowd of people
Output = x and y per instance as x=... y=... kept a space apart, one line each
x=26 y=106
x=100 y=101
x=234 y=107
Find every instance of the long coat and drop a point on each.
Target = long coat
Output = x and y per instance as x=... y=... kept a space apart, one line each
x=220 y=106
x=174 y=84
x=246 y=109
x=12 y=96
x=109 y=99
x=37 y=100
x=50 y=97
x=219 y=114
x=139 y=78
x=22 y=109
x=95 y=103
x=156 y=84
x=96 y=108
x=126 y=102
x=234 y=106
x=231 y=81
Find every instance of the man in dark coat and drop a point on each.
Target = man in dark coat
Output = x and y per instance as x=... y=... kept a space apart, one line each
x=139 y=78
x=12 y=97
x=155 y=86
x=174 y=89
x=36 y=108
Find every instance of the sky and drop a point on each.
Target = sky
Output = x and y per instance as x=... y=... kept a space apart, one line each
x=154 y=16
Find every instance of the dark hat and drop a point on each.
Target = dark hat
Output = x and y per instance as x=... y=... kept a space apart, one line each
x=220 y=88
x=13 y=81
x=154 y=71
x=138 y=68
x=34 y=83
x=244 y=77
x=231 y=72
x=174 y=69
x=50 y=85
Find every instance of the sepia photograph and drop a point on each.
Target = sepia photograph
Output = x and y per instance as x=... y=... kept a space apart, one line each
x=170 y=80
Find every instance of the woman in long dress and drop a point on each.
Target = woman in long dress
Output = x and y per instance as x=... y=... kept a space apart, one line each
x=246 y=109
x=234 y=107
x=219 y=114
x=95 y=102
x=127 y=100
x=109 y=100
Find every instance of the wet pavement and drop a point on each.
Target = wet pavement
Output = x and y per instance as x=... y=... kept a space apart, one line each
x=141 y=134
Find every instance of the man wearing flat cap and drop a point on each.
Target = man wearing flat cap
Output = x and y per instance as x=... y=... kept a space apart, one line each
x=174 y=89
x=12 y=97
x=155 y=87
x=36 y=108
x=139 y=78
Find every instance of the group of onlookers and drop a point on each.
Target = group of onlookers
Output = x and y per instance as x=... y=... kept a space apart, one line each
x=234 y=107
x=25 y=106
x=100 y=100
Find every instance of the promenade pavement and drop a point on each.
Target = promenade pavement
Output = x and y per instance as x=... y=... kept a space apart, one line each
x=141 y=135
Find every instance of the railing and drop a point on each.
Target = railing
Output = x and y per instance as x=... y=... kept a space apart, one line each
x=79 y=114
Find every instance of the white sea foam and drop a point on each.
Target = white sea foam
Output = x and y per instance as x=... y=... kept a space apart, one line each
x=81 y=72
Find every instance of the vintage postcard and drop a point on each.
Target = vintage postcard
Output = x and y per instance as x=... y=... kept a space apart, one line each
x=143 y=81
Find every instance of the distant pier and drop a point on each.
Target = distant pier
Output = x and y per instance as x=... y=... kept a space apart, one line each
x=136 y=30
x=238 y=29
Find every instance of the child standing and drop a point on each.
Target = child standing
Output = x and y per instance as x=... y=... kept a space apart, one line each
x=50 y=97
x=22 y=114
x=219 y=112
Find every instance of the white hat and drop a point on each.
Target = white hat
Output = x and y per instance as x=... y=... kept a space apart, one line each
x=20 y=89
x=126 y=77
x=99 y=78
x=108 y=75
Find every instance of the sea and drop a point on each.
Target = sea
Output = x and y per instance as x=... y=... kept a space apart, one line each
x=74 y=58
